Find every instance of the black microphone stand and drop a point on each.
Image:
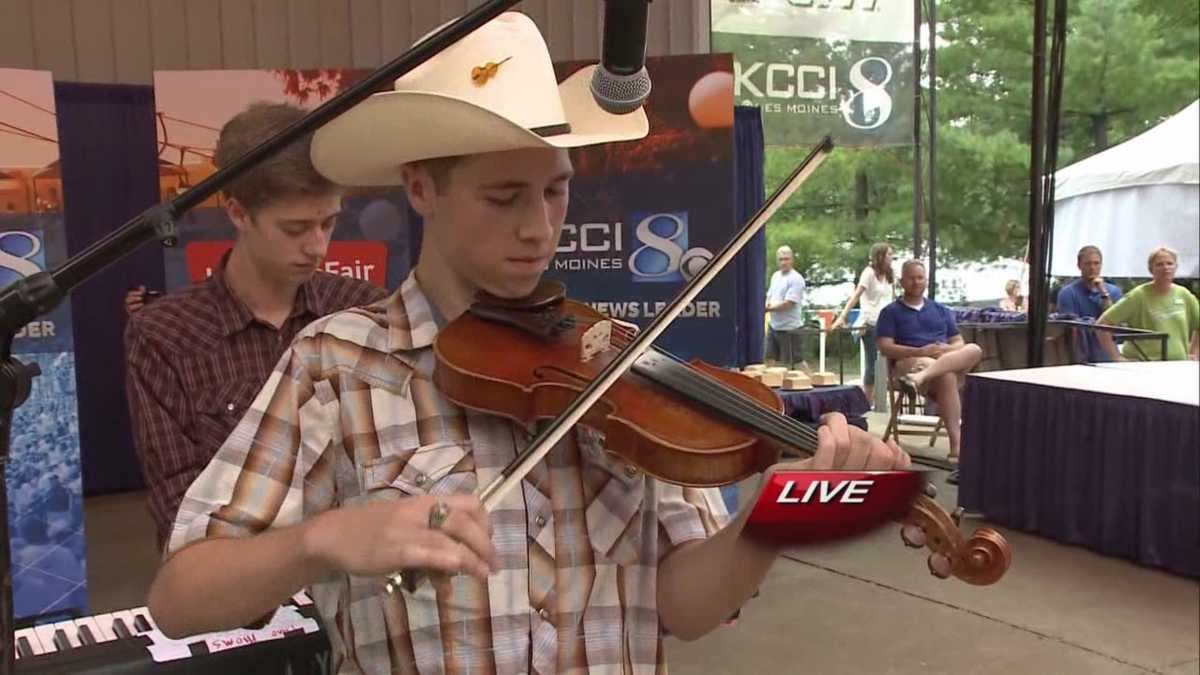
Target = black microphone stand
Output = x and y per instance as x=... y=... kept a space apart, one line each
x=25 y=300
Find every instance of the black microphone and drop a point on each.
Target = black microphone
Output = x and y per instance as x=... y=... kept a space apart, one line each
x=621 y=84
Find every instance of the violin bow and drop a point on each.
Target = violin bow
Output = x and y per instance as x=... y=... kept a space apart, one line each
x=980 y=560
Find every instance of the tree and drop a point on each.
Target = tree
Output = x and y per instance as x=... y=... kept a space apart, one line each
x=1182 y=19
x=318 y=84
x=1129 y=64
x=1124 y=70
x=829 y=232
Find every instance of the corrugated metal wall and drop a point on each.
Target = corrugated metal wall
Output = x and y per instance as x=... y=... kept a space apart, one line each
x=127 y=40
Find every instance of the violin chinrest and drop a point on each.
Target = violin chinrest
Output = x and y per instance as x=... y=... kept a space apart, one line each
x=547 y=294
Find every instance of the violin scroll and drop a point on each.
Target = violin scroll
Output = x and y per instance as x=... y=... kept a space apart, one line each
x=980 y=560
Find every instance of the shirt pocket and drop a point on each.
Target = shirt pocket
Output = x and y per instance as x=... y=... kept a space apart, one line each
x=614 y=494
x=218 y=411
x=438 y=469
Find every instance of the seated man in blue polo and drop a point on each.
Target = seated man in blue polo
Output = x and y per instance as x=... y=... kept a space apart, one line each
x=1088 y=297
x=929 y=355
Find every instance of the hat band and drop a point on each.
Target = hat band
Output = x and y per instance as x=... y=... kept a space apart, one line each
x=552 y=130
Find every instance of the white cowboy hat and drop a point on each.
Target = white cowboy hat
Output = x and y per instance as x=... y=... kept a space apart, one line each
x=493 y=90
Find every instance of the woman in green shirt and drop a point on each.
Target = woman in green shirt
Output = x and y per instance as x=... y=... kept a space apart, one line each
x=1160 y=306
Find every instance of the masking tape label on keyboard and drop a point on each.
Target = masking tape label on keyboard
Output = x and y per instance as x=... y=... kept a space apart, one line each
x=287 y=619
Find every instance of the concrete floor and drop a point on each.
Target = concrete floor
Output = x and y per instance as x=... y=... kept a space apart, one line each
x=868 y=606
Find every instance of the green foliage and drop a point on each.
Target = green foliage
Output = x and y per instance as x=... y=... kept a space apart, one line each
x=820 y=224
x=1129 y=64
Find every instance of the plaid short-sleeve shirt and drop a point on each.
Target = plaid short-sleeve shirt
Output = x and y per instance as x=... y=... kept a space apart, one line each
x=350 y=415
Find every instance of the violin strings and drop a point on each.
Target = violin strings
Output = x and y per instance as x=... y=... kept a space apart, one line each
x=769 y=421
x=752 y=412
x=780 y=427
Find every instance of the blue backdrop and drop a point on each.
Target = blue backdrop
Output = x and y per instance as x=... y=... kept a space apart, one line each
x=749 y=193
x=45 y=508
x=109 y=178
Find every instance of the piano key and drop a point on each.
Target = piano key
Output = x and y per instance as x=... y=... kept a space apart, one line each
x=126 y=617
x=94 y=629
x=123 y=625
x=31 y=636
x=302 y=598
x=85 y=635
x=69 y=632
x=24 y=648
x=141 y=620
x=61 y=641
x=45 y=633
x=105 y=622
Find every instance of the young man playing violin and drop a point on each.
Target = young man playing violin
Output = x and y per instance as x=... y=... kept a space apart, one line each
x=350 y=465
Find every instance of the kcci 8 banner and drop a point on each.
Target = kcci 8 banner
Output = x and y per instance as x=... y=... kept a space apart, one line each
x=45 y=506
x=818 y=68
x=645 y=216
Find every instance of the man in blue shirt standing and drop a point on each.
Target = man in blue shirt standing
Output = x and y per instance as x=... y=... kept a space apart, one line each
x=1088 y=297
x=785 y=310
x=930 y=356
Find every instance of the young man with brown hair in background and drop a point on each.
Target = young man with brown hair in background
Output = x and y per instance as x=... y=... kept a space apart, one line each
x=196 y=358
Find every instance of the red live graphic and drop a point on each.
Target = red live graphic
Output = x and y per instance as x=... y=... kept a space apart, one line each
x=806 y=506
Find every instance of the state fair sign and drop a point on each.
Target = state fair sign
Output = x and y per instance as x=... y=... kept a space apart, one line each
x=363 y=260
x=818 y=67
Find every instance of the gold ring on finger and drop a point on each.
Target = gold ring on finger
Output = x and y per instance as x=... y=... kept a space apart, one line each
x=438 y=515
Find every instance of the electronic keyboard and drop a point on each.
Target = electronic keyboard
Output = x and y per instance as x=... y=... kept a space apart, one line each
x=128 y=642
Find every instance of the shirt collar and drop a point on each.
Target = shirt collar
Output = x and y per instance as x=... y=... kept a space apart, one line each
x=234 y=315
x=412 y=321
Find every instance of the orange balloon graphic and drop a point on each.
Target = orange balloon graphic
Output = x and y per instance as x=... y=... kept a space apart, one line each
x=711 y=100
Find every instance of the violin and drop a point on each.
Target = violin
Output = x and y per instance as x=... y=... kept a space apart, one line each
x=687 y=423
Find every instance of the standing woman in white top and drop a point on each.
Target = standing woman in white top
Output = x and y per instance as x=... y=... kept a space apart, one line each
x=875 y=291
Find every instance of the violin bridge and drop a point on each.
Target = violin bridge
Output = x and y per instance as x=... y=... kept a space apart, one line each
x=595 y=340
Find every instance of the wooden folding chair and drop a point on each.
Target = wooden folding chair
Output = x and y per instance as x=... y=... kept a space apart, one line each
x=907 y=413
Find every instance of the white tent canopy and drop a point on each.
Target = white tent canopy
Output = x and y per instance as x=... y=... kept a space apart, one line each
x=1132 y=198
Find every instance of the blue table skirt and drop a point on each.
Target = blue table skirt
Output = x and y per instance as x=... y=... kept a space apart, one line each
x=808 y=406
x=1117 y=474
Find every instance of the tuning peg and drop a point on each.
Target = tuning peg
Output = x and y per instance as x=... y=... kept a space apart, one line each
x=913 y=536
x=939 y=565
